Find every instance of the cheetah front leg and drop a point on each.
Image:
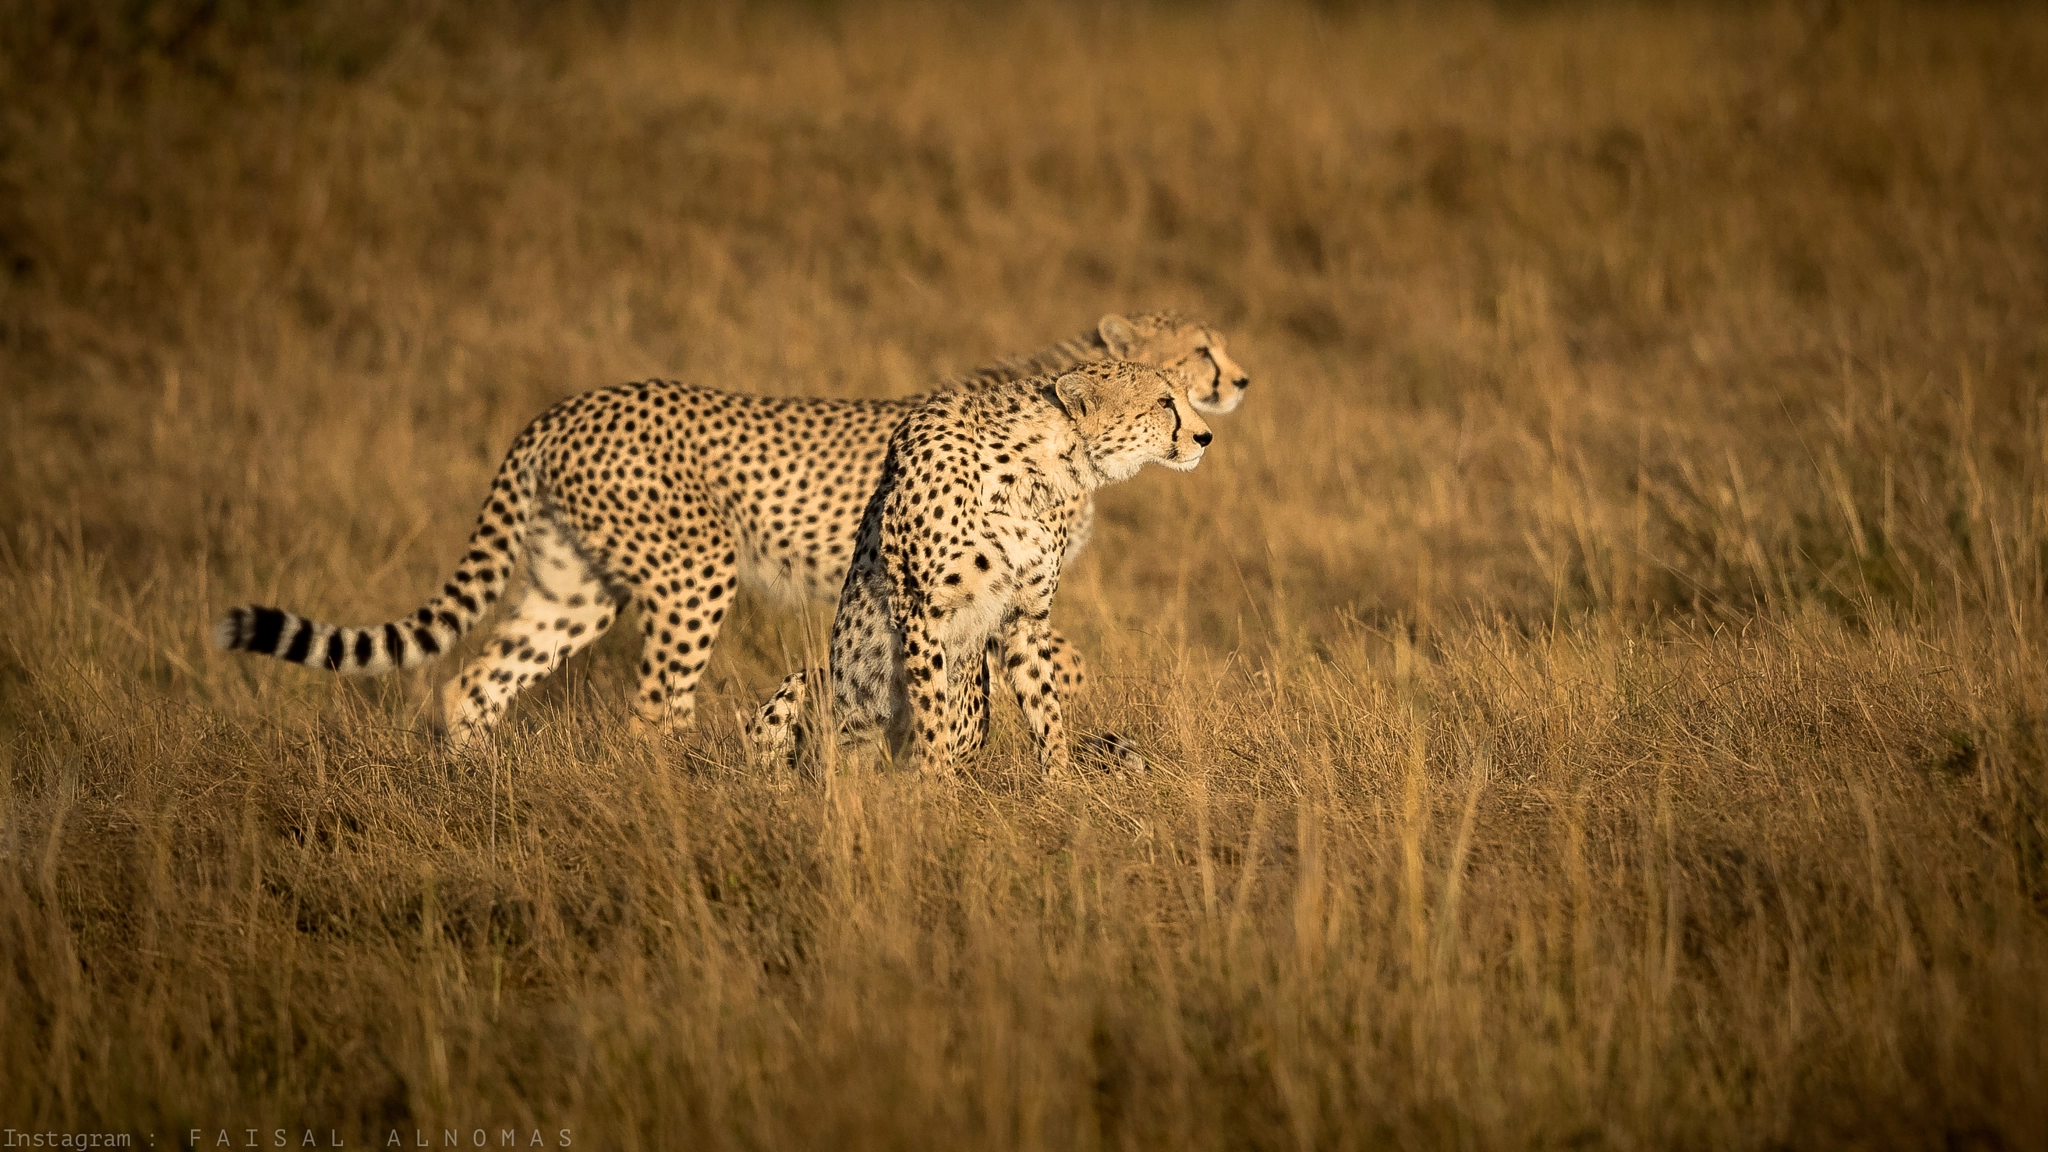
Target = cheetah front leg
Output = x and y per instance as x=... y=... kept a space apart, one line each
x=1069 y=671
x=1112 y=750
x=970 y=713
x=681 y=612
x=924 y=691
x=967 y=715
x=1027 y=657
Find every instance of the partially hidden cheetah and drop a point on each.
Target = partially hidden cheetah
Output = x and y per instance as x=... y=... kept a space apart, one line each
x=959 y=554
x=666 y=497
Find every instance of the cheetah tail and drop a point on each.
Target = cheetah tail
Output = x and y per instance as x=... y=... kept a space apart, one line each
x=483 y=573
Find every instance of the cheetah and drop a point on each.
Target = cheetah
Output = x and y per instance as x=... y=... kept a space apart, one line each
x=959 y=554
x=664 y=498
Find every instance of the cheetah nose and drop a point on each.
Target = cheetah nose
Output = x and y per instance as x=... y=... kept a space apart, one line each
x=1243 y=382
x=1203 y=438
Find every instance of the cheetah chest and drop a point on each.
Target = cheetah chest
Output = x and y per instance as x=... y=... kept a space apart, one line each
x=1010 y=563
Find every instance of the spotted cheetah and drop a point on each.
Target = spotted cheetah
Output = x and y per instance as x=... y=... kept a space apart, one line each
x=665 y=497
x=959 y=554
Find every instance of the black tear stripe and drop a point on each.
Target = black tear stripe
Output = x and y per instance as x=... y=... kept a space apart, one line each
x=394 y=645
x=302 y=643
x=337 y=653
x=365 y=649
x=268 y=631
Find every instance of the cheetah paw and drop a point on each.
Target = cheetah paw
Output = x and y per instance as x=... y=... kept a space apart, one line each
x=657 y=731
x=1114 y=753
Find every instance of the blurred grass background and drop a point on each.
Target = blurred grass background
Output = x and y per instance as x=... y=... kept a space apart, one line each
x=1595 y=684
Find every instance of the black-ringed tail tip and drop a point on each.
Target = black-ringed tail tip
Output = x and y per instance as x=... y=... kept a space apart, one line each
x=337 y=648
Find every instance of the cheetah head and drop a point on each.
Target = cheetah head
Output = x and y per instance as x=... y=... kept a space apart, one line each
x=1130 y=415
x=1192 y=352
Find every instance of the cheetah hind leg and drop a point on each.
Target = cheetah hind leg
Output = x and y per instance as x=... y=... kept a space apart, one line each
x=563 y=610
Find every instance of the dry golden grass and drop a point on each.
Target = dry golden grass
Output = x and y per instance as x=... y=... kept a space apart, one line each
x=1596 y=683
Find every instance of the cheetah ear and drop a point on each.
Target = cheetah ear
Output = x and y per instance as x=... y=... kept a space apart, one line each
x=1073 y=390
x=1117 y=335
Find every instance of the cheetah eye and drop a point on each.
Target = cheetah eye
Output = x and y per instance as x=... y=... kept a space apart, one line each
x=1166 y=401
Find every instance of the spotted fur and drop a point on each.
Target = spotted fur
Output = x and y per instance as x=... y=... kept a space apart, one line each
x=959 y=555
x=665 y=498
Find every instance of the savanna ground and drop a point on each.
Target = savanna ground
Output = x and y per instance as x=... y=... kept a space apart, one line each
x=1595 y=685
